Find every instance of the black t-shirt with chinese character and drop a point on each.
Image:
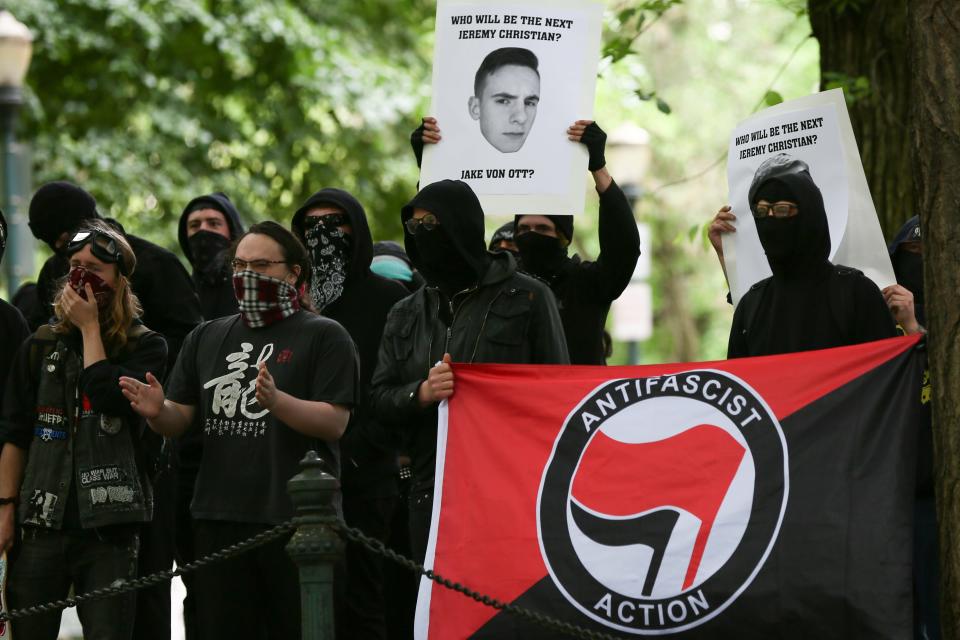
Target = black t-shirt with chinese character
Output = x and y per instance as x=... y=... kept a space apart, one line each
x=248 y=455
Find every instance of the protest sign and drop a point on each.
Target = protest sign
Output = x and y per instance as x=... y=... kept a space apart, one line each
x=508 y=79
x=816 y=130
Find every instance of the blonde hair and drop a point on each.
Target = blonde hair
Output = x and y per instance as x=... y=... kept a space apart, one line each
x=124 y=306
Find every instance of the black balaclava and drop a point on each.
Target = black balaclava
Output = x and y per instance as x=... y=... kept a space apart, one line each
x=799 y=246
x=453 y=256
x=504 y=232
x=908 y=266
x=59 y=207
x=207 y=250
x=542 y=255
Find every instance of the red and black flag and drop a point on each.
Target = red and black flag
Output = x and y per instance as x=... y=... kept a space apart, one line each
x=755 y=498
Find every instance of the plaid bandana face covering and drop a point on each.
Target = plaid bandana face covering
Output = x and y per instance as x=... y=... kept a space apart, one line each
x=263 y=300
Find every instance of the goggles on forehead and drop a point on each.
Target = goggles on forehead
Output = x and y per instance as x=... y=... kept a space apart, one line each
x=102 y=246
x=915 y=234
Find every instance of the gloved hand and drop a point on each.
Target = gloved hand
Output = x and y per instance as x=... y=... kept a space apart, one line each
x=594 y=138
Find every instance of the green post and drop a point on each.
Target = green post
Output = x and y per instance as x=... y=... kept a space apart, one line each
x=315 y=546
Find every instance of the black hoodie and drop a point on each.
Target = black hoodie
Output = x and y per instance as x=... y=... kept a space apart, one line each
x=808 y=303
x=368 y=451
x=506 y=317
x=908 y=266
x=214 y=285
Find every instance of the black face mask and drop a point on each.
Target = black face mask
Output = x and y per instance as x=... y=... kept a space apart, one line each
x=908 y=268
x=207 y=249
x=779 y=237
x=540 y=255
x=441 y=263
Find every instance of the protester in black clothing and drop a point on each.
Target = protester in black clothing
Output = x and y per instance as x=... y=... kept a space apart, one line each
x=72 y=445
x=333 y=226
x=808 y=302
x=475 y=308
x=171 y=308
x=392 y=262
x=908 y=305
x=208 y=225
x=266 y=386
x=13 y=327
x=584 y=290
x=503 y=240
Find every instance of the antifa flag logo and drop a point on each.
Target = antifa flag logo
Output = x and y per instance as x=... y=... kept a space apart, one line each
x=662 y=499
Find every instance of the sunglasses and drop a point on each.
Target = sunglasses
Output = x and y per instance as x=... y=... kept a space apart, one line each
x=329 y=220
x=428 y=222
x=102 y=246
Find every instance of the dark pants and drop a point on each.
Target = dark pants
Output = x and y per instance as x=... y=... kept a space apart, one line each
x=156 y=554
x=49 y=562
x=362 y=612
x=400 y=584
x=420 y=512
x=255 y=595
x=184 y=547
x=926 y=573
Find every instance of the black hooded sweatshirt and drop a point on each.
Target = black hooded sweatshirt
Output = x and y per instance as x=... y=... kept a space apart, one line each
x=908 y=266
x=214 y=282
x=368 y=451
x=504 y=317
x=585 y=289
x=808 y=303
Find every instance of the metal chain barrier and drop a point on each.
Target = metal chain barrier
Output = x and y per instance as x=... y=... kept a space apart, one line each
x=124 y=586
x=377 y=547
x=346 y=532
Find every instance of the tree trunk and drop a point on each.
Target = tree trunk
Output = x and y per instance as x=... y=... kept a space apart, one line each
x=934 y=63
x=869 y=40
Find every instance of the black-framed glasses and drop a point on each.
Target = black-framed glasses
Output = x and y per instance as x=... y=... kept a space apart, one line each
x=428 y=222
x=102 y=246
x=777 y=210
x=253 y=265
x=330 y=219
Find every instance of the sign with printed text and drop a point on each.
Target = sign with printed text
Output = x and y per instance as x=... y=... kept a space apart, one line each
x=508 y=79
x=815 y=129
x=750 y=498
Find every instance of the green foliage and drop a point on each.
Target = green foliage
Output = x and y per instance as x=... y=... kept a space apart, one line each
x=854 y=88
x=630 y=20
x=151 y=102
x=771 y=98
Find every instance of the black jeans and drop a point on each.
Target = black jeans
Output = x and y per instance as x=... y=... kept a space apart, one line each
x=420 y=511
x=49 y=562
x=255 y=595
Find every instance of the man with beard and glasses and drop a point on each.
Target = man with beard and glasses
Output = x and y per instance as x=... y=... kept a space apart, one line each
x=475 y=308
x=808 y=303
x=208 y=225
x=333 y=226
x=265 y=386
x=171 y=308
x=584 y=290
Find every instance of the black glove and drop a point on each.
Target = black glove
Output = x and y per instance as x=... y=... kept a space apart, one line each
x=416 y=141
x=595 y=140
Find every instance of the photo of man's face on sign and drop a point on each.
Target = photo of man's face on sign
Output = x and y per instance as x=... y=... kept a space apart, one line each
x=506 y=94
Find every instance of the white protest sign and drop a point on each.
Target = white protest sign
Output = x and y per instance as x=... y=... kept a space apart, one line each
x=508 y=79
x=815 y=129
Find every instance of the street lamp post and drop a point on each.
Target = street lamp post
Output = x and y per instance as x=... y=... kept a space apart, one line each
x=15 y=50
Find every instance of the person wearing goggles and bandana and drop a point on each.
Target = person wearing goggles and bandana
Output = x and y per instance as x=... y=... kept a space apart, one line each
x=265 y=386
x=70 y=465
x=333 y=226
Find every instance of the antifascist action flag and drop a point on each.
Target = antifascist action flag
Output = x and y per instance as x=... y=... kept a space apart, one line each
x=756 y=498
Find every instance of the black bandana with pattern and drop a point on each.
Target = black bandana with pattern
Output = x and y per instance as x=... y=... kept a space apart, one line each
x=329 y=248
